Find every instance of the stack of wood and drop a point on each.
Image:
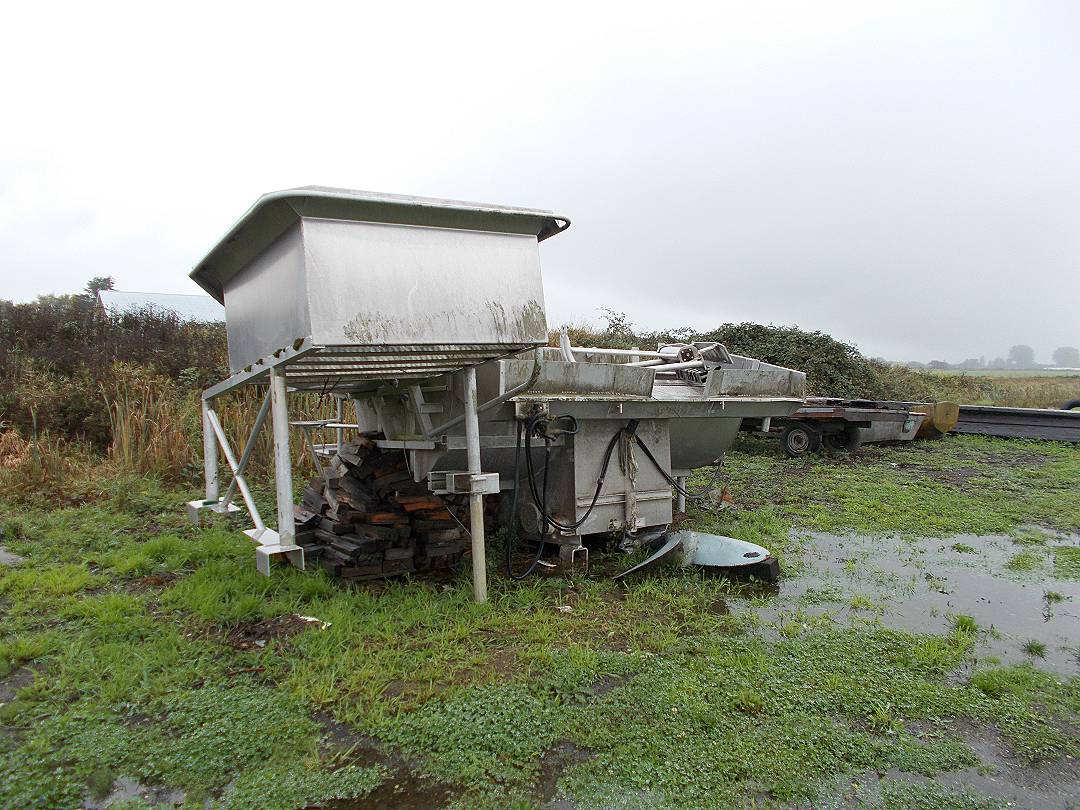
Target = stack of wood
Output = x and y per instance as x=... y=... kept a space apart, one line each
x=367 y=518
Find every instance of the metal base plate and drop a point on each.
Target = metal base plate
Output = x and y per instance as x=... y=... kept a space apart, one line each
x=197 y=506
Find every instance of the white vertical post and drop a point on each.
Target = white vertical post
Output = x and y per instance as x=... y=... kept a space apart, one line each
x=341 y=420
x=279 y=408
x=680 y=499
x=476 y=499
x=210 y=453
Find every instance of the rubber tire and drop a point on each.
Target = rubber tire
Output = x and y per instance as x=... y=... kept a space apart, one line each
x=1072 y=403
x=847 y=439
x=798 y=440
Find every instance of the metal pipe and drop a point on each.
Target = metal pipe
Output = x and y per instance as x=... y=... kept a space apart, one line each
x=249 y=448
x=340 y=418
x=680 y=366
x=680 y=498
x=619 y=352
x=476 y=500
x=241 y=482
x=491 y=403
x=646 y=363
x=286 y=517
x=210 y=459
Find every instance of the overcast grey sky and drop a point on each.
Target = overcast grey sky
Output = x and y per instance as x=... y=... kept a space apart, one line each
x=905 y=176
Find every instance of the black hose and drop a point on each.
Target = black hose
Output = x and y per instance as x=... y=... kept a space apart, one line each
x=511 y=534
x=648 y=453
x=1072 y=403
x=541 y=501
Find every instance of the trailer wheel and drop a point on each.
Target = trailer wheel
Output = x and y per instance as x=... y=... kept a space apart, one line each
x=847 y=439
x=798 y=440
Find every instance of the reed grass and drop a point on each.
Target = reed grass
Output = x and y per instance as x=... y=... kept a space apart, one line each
x=150 y=424
x=44 y=468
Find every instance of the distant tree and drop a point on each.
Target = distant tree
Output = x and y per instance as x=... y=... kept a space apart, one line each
x=1022 y=356
x=938 y=365
x=1067 y=357
x=999 y=362
x=97 y=284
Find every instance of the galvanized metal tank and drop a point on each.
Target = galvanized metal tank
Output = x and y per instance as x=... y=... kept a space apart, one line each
x=382 y=285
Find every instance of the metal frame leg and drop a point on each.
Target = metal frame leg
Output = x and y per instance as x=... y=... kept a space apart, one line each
x=476 y=499
x=680 y=499
x=283 y=541
x=210 y=471
x=210 y=458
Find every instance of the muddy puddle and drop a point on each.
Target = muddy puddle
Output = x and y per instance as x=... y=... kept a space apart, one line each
x=923 y=585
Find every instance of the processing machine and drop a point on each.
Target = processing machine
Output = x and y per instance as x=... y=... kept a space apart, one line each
x=428 y=317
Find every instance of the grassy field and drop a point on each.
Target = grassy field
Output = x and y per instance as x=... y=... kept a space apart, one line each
x=145 y=662
x=1014 y=373
x=1012 y=389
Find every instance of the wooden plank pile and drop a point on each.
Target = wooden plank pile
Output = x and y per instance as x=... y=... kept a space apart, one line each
x=366 y=518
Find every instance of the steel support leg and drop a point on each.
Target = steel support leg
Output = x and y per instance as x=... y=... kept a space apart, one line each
x=340 y=418
x=210 y=453
x=476 y=499
x=283 y=541
x=279 y=406
x=680 y=499
x=210 y=470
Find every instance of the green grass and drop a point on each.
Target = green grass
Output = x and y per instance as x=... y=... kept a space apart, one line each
x=958 y=485
x=1067 y=562
x=678 y=690
x=1024 y=561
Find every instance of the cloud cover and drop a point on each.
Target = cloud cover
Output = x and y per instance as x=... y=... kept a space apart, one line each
x=904 y=176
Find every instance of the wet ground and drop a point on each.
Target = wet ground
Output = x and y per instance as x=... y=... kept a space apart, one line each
x=924 y=585
x=920 y=585
x=917 y=585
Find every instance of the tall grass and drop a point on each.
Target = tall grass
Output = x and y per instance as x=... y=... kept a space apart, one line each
x=238 y=410
x=44 y=468
x=1017 y=392
x=151 y=427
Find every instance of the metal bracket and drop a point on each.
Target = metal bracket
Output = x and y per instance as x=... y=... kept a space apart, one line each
x=570 y=552
x=270 y=546
x=197 y=506
x=459 y=482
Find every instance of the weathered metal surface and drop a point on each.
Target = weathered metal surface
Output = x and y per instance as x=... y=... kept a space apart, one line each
x=276 y=212
x=581 y=379
x=941 y=417
x=1021 y=423
x=398 y=275
x=766 y=380
x=894 y=430
x=700 y=548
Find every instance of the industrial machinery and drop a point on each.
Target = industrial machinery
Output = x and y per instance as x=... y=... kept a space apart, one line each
x=428 y=316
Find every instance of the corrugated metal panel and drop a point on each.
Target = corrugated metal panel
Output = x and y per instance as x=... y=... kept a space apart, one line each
x=187 y=307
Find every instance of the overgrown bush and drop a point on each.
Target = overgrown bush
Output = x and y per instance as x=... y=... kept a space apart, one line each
x=124 y=385
x=60 y=353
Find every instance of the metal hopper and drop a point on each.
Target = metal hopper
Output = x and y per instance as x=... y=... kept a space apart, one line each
x=428 y=316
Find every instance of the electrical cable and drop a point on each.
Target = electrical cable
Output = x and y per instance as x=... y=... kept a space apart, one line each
x=511 y=534
x=630 y=429
x=541 y=498
x=648 y=454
